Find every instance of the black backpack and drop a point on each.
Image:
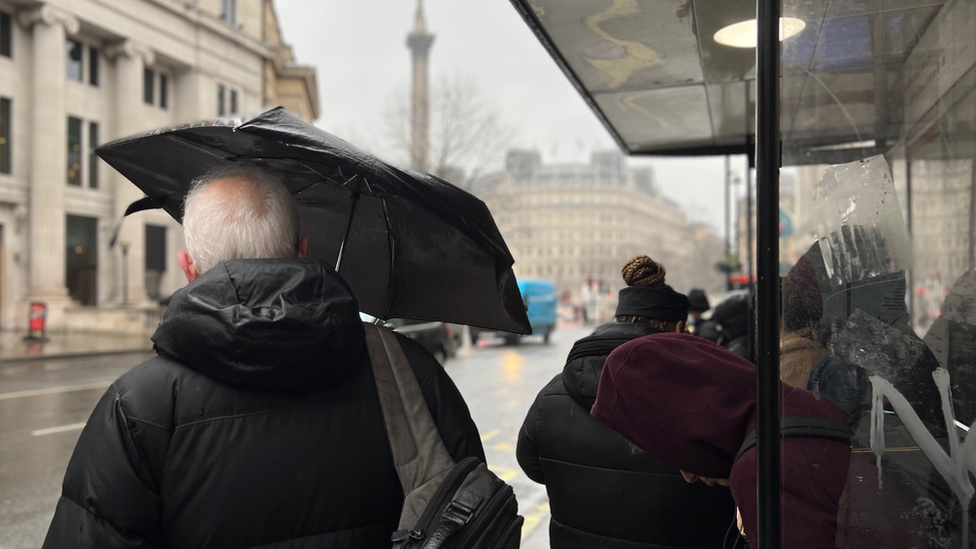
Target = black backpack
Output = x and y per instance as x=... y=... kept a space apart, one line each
x=446 y=504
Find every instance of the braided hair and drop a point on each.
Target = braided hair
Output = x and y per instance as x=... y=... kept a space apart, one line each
x=644 y=271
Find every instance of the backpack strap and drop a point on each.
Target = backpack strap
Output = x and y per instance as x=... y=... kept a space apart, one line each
x=419 y=453
x=813 y=427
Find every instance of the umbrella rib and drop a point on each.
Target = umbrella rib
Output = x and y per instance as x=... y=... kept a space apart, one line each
x=391 y=247
x=201 y=148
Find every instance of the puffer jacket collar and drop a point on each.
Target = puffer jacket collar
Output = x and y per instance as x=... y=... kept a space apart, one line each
x=281 y=325
x=581 y=375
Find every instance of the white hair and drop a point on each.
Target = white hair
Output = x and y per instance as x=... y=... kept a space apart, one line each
x=259 y=220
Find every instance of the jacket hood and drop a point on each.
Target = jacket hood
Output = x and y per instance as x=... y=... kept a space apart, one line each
x=689 y=401
x=282 y=325
x=581 y=375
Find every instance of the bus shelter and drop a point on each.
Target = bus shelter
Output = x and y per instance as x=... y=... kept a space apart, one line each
x=869 y=106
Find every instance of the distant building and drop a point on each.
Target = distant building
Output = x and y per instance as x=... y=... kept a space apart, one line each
x=573 y=222
x=75 y=75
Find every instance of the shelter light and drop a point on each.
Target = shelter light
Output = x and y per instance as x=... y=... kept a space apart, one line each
x=743 y=33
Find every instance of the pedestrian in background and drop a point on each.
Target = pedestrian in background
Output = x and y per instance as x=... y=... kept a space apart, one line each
x=601 y=492
x=729 y=325
x=258 y=423
x=698 y=304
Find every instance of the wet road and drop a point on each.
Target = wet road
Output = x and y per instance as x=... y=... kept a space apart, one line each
x=44 y=404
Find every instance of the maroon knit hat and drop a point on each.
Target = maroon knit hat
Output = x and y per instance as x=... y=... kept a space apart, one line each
x=692 y=403
x=681 y=398
x=689 y=401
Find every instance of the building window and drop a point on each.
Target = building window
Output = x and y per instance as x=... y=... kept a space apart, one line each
x=6 y=35
x=74 y=51
x=155 y=259
x=228 y=11
x=148 y=83
x=163 y=91
x=82 y=259
x=221 y=109
x=233 y=101
x=93 y=65
x=92 y=157
x=74 y=151
x=4 y=135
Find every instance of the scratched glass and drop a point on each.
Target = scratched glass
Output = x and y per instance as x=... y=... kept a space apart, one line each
x=879 y=129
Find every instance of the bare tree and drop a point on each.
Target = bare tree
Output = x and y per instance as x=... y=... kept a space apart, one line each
x=467 y=136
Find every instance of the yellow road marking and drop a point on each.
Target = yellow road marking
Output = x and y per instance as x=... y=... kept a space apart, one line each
x=534 y=518
x=490 y=435
x=504 y=447
x=505 y=473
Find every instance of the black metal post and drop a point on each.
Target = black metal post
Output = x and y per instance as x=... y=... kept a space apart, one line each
x=768 y=14
x=750 y=261
x=728 y=184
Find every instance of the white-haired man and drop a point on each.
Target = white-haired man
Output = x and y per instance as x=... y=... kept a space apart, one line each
x=258 y=423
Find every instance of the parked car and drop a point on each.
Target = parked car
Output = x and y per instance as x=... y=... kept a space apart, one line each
x=436 y=337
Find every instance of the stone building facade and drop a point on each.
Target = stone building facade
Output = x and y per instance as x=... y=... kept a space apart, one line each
x=573 y=222
x=78 y=74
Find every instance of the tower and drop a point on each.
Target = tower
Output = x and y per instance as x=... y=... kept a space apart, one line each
x=419 y=42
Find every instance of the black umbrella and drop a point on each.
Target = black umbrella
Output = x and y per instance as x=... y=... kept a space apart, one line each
x=411 y=245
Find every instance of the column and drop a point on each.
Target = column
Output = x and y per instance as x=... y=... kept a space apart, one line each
x=48 y=155
x=131 y=58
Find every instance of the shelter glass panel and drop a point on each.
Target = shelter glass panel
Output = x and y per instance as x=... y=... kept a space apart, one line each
x=878 y=119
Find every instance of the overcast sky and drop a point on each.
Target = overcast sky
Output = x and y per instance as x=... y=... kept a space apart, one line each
x=359 y=49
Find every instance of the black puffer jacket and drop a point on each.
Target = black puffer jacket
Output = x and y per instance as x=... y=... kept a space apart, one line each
x=258 y=425
x=601 y=493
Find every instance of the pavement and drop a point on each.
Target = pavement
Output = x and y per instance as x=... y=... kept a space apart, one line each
x=14 y=348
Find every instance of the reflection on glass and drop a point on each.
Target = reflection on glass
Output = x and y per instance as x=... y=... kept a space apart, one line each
x=73 y=50
x=74 y=151
x=893 y=252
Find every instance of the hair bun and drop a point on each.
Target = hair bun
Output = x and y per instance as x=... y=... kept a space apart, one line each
x=643 y=271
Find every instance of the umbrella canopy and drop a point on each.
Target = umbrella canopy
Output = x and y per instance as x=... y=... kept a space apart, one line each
x=412 y=245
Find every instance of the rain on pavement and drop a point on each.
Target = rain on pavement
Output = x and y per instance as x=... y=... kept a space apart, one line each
x=45 y=403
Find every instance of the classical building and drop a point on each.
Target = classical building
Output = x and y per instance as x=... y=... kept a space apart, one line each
x=573 y=222
x=77 y=74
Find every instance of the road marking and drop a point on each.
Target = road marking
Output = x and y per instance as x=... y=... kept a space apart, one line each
x=56 y=390
x=534 y=518
x=506 y=447
x=490 y=435
x=59 y=429
x=505 y=473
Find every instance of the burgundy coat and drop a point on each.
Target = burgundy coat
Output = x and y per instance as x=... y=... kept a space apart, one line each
x=692 y=403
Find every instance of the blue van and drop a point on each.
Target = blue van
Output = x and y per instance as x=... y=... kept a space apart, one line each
x=539 y=297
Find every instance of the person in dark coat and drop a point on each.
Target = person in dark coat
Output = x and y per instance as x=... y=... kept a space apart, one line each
x=698 y=304
x=692 y=404
x=601 y=493
x=729 y=325
x=258 y=422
